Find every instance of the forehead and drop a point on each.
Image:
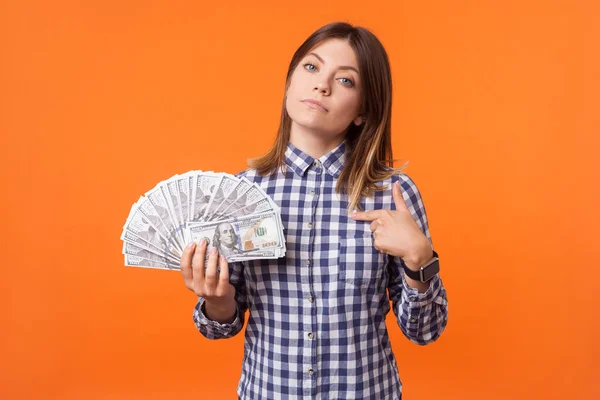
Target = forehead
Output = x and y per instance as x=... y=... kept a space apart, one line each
x=336 y=51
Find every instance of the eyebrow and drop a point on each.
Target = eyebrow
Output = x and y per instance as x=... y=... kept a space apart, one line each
x=341 y=67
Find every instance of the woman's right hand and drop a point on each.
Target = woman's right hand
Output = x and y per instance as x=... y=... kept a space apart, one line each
x=214 y=287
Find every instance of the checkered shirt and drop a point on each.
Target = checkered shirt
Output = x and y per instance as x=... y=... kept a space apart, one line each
x=316 y=324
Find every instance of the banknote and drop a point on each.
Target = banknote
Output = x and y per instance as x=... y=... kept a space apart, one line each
x=232 y=213
x=242 y=237
x=158 y=200
x=238 y=193
x=172 y=194
x=136 y=261
x=184 y=199
x=142 y=227
x=252 y=195
x=204 y=187
x=224 y=188
x=147 y=253
x=130 y=237
x=262 y=205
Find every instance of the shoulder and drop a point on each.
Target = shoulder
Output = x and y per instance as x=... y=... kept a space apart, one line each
x=406 y=182
x=410 y=191
x=253 y=176
x=249 y=174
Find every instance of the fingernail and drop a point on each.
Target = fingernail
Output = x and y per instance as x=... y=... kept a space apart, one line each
x=353 y=214
x=223 y=258
x=213 y=250
x=191 y=244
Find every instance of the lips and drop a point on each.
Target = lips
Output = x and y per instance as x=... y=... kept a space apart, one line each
x=315 y=104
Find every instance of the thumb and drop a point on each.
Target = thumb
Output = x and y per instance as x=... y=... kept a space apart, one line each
x=398 y=198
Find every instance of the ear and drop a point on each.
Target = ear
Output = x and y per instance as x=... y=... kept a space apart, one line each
x=358 y=121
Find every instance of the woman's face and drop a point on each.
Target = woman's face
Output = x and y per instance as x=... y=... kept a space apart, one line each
x=329 y=75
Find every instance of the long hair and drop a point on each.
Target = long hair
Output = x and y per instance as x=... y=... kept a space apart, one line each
x=369 y=156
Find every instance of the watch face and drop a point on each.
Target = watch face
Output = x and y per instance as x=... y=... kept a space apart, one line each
x=431 y=270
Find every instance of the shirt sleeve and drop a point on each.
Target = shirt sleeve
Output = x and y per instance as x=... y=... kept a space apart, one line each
x=422 y=317
x=214 y=330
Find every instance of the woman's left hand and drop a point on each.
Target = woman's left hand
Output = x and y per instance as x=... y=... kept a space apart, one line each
x=396 y=232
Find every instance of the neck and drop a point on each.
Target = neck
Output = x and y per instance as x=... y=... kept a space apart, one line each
x=315 y=144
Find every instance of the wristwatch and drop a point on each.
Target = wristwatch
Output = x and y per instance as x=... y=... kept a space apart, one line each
x=427 y=271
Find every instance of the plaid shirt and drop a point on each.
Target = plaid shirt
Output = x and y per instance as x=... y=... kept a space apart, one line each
x=316 y=327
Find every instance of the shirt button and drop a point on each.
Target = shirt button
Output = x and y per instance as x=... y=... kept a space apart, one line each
x=311 y=371
x=413 y=298
x=316 y=163
x=311 y=299
x=310 y=224
x=307 y=262
x=312 y=192
x=311 y=335
x=412 y=320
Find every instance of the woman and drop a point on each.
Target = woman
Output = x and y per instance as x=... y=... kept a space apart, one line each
x=316 y=326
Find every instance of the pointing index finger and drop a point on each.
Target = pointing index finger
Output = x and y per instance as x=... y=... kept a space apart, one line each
x=398 y=197
x=371 y=215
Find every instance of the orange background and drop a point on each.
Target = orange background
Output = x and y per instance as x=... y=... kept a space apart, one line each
x=495 y=105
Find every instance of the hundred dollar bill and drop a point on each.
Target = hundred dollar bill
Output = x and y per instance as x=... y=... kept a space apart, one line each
x=184 y=200
x=267 y=254
x=224 y=188
x=156 y=216
x=239 y=238
x=131 y=237
x=136 y=250
x=192 y=175
x=252 y=195
x=233 y=214
x=204 y=187
x=261 y=206
x=172 y=194
x=138 y=224
x=157 y=198
x=135 y=261
x=237 y=194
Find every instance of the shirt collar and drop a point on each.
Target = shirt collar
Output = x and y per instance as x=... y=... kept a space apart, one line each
x=332 y=162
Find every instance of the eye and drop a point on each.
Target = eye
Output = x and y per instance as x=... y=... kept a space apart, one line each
x=348 y=82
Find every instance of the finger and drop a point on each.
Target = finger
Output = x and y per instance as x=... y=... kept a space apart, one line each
x=367 y=215
x=186 y=263
x=398 y=198
x=211 y=268
x=376 y=245
x=374 y=225
x=224 y=274
x=198 y=264
x=379 y=246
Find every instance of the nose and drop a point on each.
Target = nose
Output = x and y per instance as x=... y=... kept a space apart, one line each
x=322 y=87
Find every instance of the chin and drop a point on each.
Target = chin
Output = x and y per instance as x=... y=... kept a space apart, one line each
x=308 y=121
x=317 y=127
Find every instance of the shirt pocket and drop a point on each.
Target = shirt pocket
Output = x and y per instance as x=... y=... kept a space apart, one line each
x=360 y=263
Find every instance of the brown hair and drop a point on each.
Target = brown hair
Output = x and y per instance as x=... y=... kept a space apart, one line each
x=369 y=146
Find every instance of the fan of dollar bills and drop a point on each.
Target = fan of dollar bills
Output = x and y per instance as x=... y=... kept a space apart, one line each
x=232 y=214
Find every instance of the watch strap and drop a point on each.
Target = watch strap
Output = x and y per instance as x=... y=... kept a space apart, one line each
x=421 y=272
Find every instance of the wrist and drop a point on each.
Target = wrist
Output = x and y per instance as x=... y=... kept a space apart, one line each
x=419 y=258
x=218 y=311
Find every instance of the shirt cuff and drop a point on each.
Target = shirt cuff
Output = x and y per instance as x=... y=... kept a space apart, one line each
x=416 y=299
x=223 y=328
